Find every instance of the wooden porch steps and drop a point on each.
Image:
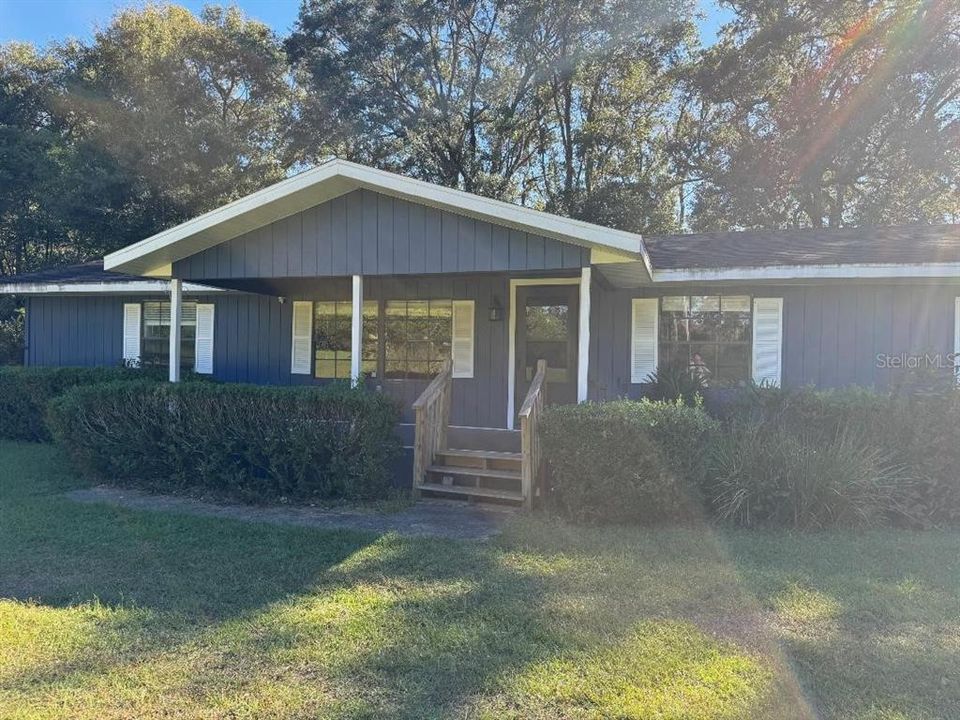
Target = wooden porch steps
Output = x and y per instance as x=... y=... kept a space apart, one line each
x=473 y=472
x=476 y=463
x=476 y=474
x=513 y=496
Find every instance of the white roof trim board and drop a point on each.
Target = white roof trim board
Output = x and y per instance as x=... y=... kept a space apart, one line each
x=131 y=287
x=803 y=272
x=338 y=177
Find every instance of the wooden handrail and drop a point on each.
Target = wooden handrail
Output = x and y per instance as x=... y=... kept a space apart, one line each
x=432 y=417
x=530 y=413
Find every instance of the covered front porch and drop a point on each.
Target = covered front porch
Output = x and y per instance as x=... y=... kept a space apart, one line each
x=459 y=352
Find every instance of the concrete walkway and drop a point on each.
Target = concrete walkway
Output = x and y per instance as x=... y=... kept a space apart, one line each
x=427 y=518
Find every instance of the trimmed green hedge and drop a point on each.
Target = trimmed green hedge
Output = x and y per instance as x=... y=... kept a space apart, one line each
x=787 y=458
x=626 y=461
x=25 y=392
x=249 y=442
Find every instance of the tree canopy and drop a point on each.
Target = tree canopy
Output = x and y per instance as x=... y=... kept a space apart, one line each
x=803 y=113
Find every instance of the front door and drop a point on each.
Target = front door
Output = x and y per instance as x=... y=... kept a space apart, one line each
x=547 y=317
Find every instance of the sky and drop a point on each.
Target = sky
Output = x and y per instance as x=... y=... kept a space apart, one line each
x=40 y=21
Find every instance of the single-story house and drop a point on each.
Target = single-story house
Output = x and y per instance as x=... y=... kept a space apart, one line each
x=345 y=271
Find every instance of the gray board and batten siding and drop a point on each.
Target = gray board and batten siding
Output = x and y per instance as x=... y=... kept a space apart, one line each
x=368 y=233
x=832 y=332
x=252 y=336
x=80 y=330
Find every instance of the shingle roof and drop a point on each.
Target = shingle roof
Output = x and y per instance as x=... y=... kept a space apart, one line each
x=905 y=244
x=88 y=272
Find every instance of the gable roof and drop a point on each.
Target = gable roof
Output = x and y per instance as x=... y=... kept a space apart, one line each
x=893 y=245
x=154 y=255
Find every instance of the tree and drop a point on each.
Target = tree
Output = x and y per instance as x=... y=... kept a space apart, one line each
x=556 y=104
x=163 y=116
x=820 y=113
x=193 y=112
x=30 y=148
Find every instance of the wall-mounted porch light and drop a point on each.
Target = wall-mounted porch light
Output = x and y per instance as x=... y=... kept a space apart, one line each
x=496 y=311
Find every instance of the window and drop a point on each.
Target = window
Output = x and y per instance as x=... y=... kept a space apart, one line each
x=156 y=333
x=331 y=339
x=402 y=339
x=417 y=337
x=710 y=334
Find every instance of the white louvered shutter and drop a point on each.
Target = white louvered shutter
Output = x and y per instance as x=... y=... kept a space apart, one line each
x=203 y=345
x=131 y=332
x=302 y=338
x=767 y=340
x=643 y=339
x=463 y=331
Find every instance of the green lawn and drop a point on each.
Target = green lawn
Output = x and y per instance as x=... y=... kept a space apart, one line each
x=109 y=613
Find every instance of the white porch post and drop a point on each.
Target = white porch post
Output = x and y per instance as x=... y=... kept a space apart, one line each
x=176 y=303
x=356 y=329
x=583 y=335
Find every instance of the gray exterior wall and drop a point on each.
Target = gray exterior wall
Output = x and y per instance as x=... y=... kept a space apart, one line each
x=832 y=333
x=368 y=233
x=252 y=337
x=79 y=330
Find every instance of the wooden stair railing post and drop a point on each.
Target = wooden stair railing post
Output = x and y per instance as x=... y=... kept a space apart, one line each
x=431 y=418
x=530 y=413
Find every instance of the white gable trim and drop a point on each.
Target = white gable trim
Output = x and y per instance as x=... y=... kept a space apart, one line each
x=338 y=177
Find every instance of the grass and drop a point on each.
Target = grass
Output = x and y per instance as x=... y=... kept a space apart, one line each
x=111 y=613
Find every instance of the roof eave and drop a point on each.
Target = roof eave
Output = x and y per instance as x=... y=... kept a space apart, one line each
x=809 y=272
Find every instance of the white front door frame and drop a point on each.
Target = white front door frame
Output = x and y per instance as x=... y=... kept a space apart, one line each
x=583 y=348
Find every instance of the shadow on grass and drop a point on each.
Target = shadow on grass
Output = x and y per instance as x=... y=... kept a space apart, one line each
x=152 y=614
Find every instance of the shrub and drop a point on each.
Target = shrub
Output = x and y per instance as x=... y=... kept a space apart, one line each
x=676 y=381
x=25 y=392
x=11 y=333
x=252 y=443
x=625 y=461
x=914 y=437
x=766 y=474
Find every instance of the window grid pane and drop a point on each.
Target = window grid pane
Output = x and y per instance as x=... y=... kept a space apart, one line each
x=418 y=337
x=709 y=334
x=155 y=351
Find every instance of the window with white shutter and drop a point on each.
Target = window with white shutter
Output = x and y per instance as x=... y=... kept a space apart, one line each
x=767 y=340
x=463 y=311
x=302 y=333
x=643 y=339
x=203 y=348
x=131 y=332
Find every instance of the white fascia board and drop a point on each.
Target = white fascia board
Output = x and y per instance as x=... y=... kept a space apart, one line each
x=133 y=287
x=811 y=272
x=338 y=177
x=496 y=211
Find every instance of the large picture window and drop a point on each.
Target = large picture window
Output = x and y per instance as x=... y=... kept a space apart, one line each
x=417 y=337
x=402 y=339
x=710 y=334
x=331 y=339
x=156 y=333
